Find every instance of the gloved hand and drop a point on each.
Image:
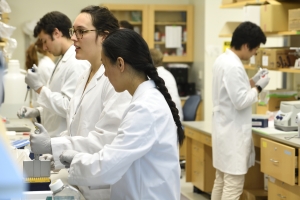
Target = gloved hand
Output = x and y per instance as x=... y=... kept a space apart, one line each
x=40 y=143
x=33 y=79
x=263 y=82
x=48 y=157
x=66 y=157
x=27 y=112
x=259 y=75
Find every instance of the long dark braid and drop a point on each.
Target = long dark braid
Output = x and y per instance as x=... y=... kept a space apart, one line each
x=134 y=50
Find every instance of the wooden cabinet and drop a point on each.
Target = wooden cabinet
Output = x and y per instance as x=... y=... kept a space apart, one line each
x=149 y=19
x=278 y=190
x=279 y=161
x=137 y=15
x=161 y=16
x=199 y=169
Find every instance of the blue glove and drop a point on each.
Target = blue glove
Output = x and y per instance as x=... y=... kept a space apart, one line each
x=66 y=157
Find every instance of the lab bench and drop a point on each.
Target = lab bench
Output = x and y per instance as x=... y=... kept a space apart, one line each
x=276 y=156
x=62 y=174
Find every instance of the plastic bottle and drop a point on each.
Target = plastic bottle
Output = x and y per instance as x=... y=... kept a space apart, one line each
x=63 y=192
x=15 y=90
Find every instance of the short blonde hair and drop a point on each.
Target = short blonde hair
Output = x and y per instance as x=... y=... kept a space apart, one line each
x=157 y=57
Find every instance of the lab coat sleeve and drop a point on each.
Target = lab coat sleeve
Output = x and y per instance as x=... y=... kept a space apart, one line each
x=105 y=129
x=58 y=102
x=91 y=144
x=136 y=136
x=238 y=88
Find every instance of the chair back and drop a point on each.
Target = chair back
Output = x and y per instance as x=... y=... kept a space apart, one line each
x=190 y=107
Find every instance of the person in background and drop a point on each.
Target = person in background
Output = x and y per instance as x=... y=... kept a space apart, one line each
x=96 y=108
x=44 y=60
x=125 y=24
x=169 y=79
x=233 y=95
x=142 y=160
x=54 y=97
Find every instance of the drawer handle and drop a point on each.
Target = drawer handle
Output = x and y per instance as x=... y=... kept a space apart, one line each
x=281 y=197
x=274 y=161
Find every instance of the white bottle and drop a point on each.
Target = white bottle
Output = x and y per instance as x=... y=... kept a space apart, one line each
x=179 y=51
x=15 y=90
x=63 y=192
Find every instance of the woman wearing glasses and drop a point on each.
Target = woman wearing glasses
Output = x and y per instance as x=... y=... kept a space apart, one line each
x=96 y=107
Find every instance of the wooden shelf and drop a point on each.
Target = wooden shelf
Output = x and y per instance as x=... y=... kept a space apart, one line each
x=135 y=23
x=287 y=70
x=161 y=42
x=250 y=67
x=270 y=34
x=244 y=3
x=170 y=23
x=172 y=59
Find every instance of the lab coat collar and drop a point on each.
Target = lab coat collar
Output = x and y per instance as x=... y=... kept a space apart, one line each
x=69 y=52
x=95 y=79
x=229 y=52
x=143 y=87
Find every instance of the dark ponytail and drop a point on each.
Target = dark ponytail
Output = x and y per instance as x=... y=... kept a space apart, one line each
x=134 y=50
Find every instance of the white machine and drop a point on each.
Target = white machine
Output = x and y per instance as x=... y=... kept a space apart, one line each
x=285 y=119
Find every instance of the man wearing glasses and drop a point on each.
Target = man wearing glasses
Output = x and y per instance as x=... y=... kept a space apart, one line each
x=54 y=98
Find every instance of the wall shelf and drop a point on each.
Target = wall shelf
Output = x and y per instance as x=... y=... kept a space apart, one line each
x=250 y=67
x=286 y=70
x=170 y=23
x=162 y=42
x=244 y=3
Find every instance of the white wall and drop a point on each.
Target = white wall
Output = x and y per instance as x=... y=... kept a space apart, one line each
x=27 y=10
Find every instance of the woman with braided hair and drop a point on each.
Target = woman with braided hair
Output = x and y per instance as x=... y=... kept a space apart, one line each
x=142 y=161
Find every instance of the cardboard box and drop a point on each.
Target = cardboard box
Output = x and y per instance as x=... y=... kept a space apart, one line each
x=255 y=60
x=228 y=1
x=274 y=15
x=278 y=58
x=294 y=19
x=251 y=13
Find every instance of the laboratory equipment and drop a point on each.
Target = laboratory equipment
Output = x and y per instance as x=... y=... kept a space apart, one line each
x=28 y=88
x=37 y=172
x=260 y=121
x=61 y=191
x=285 y=119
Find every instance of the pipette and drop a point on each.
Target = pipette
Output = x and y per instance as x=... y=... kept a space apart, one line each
x=28 y=88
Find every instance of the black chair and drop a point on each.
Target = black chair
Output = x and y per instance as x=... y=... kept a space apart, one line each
x=190 y=107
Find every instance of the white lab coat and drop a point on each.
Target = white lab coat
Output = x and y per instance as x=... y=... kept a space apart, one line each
x=99 y=102
x=45 y=69
x=54 y=98
x=171 y=85
x=142 y=161
x=233 y=149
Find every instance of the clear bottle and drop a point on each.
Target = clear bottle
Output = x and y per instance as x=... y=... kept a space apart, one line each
x=63 y=192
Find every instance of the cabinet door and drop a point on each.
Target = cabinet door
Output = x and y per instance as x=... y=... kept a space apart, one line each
x=281 y=191
x=181 y=16
x=278 y=161
x=137 y=15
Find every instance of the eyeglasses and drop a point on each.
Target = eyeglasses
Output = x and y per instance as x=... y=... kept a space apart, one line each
x=78 y=32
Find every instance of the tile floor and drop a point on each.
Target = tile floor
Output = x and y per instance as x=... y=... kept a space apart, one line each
x=187 y=191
